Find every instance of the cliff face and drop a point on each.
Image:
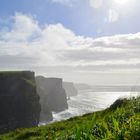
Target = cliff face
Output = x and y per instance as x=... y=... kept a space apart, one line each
x=70 y=89
x=53 y=96
x=46 y=114
x=19 y=102
x=56 y=94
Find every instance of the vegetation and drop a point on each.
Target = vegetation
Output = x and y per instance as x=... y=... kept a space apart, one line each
x=119 y=122
x=24 y=74
x=27 y=76
x=13 y=72
x=30 y=82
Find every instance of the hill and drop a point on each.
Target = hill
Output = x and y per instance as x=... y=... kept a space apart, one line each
x=119 y=122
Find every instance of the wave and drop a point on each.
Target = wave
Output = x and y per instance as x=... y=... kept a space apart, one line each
x=88 y=102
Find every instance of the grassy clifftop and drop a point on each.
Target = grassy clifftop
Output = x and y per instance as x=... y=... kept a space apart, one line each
x=119 y=122
x=27 y=76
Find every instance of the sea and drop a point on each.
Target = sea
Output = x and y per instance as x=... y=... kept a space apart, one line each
x=88 y=101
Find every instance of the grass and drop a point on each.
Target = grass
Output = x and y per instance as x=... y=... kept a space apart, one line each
x=119 y=122
x=13 y=72
x=27 y=76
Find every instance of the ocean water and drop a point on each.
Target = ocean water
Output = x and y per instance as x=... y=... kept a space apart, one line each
x=88 y=101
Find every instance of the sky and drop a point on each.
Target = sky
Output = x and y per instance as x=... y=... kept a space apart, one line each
x=85 y=41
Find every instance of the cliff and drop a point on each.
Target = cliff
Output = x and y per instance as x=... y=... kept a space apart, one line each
x=70 y=89
x=52 y=96
x=82 y=86
x=19 y=102
x=46 y=114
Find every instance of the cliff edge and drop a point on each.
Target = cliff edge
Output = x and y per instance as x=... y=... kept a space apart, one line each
x=19 y=102
x=52 y=96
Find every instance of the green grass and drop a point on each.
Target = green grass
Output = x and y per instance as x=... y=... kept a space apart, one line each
x=27 y=76
x=12 y=72
x=119 y=122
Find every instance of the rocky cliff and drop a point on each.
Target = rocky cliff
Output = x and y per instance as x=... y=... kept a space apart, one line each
x=19 y=102
x=46 y=114
x=70 y=89
x=52 y=96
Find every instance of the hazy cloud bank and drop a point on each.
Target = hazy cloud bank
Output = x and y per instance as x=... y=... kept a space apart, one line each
x=26 y=44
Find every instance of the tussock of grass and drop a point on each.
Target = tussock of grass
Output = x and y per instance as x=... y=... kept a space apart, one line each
x=119 y=122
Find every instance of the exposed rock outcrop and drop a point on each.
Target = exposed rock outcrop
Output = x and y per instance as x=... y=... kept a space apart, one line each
x=19 y=102
x=52 y=96
x=70 y=89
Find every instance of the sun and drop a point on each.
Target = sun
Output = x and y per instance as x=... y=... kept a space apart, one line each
x=121 y=2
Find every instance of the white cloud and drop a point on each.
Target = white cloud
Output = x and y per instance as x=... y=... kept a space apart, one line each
x=23 y=28
x=96 y=3
x=26 y=44
x=64 y=2
x=92 y=3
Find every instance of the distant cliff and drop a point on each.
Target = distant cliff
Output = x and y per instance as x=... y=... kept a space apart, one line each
x=46 y=114
x=52 y=96
x=70 y=89
x=82 y=86
x=19 y=102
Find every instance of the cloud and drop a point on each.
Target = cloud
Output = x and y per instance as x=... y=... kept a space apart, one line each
x=92 y=3
x=96 y=3
x=64 y=2
x=23 y=27
x=27 y=45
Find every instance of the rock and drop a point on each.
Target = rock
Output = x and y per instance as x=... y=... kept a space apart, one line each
x=70 y=89
x=19 y=102
x=53 y=96
x=46 y=114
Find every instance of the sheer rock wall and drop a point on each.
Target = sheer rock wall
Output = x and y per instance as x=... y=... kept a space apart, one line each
x=19 y=101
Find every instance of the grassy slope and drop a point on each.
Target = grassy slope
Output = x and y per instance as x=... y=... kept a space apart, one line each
x=120 y=122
